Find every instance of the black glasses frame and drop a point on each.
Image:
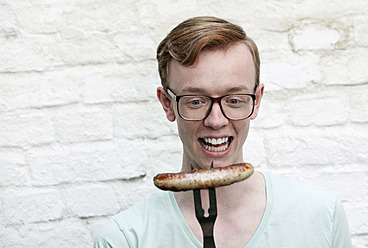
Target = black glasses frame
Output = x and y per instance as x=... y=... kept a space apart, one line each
x=213 y=100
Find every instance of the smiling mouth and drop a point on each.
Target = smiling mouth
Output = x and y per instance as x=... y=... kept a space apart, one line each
x=216 y=144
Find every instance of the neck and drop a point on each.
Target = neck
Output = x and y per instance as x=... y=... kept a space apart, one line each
x=232 y=196
x=185 y=167
x=238 y=193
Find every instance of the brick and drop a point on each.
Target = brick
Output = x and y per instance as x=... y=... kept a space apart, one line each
x=8 y=24
x=26 y=128
x=29 y=205
x=75 y=235
x=82 y=124
x=141 y=120
x=281 y=15
x=174 y=9
x=87 y=162
x=13 y=169
x=309 y=35
x=268 y=42
x=297 y=73
x=45 y=48
x=82 y=15
x=271 y=115
x=134 y=191
x=47 y=17
x=86 y=201
x=359 y=32
x=134 y=45
x=253 y=150
x=73 y=46
x=127 y=86
x=321 y=110
x=133 y=157
x=9 y=237
x=316 y=148
x=77 y=50
x=165 y=155
x=72 y=233
x=26 y=53
x=37 y=90
x=345 y=67
x=359 y=104
x=357 y=216
x=359 y=241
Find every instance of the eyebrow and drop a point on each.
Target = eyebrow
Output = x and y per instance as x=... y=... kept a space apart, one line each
x=202 y=91
x=238 y=89
x=193 y=90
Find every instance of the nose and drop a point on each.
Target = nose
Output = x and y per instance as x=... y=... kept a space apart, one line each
x=216 y=118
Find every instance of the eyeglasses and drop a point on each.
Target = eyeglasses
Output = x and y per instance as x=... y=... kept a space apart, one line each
x=198 y=107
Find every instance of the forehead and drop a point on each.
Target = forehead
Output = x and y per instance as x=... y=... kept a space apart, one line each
x=215 y=72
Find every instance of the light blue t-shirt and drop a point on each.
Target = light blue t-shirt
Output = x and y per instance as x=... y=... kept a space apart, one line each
x=297 y=215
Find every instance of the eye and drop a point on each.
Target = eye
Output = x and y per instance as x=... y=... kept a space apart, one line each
x=194 y=102
x=233 y=101
x=237 y=101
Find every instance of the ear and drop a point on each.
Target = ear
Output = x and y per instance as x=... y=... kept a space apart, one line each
x=166 y=103
x=257 y=104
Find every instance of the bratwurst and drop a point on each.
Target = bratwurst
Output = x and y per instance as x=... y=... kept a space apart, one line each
x=204 y=179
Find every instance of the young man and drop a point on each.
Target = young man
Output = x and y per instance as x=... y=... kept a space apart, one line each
x=207 y=66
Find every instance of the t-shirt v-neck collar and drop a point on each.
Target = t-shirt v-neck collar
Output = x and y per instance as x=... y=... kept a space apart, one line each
x=181 y=223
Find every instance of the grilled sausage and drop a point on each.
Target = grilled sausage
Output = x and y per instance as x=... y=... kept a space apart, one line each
x=204 y=179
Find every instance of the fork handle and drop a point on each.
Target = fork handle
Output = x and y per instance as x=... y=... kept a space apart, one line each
x=209 y=242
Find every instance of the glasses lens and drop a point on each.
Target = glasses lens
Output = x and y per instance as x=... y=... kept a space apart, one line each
x=194 y=107
x=237 y=106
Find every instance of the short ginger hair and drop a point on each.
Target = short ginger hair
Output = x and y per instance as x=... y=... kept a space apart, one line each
x=185 y=42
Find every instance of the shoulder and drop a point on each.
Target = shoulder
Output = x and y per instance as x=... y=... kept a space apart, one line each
x=313 y=199
x=149 y=206
x=300 y=189
x=122 y=228
x=110 y=235
x=299 y=208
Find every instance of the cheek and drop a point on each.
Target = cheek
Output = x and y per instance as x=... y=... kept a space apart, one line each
x=187 y=129
x=242 y=129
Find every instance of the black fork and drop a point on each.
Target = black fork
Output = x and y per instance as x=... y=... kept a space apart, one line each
x=207 y=223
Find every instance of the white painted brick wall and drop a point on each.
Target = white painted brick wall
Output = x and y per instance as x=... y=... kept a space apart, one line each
x=82 y=134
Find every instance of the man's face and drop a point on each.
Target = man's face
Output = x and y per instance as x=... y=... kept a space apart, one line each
x=217 y=73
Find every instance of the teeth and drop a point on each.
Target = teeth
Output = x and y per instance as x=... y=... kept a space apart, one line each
x=211 y=142
x=214 y=141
